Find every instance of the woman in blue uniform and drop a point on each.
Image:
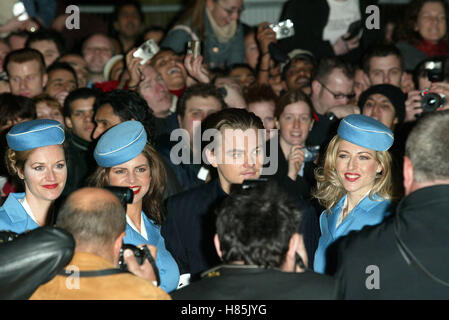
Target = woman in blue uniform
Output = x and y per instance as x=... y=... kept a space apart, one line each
x=354 y=185
x=125 y=159
x=36 y=155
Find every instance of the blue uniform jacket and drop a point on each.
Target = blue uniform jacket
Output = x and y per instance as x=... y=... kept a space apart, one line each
x=13 y=216
x=168 y=268
x=367 y=213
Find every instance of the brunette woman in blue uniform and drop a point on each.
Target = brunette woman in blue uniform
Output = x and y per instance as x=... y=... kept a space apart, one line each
x=125 y=159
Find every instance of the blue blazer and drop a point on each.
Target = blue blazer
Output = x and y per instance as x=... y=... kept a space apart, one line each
x=13 y=216
x=367 y=213
x=168 y=268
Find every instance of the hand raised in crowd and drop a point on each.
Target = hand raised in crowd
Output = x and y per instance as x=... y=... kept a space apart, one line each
x=342 y=46
x=413 y=105
x=265 y=36
x=295 y=160
x=441 y=88
x=196 y=69
x=134 y=69
x=13 y=25
x=344 y=110
x=144 y=270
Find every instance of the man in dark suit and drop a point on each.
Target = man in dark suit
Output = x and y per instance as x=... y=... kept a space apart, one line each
x=405 y=257
x=235 y=152
x=258 y=241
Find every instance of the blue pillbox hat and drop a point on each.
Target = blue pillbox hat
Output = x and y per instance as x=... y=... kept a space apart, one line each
x=120 y=144
x=34 y=134
x=366 y=132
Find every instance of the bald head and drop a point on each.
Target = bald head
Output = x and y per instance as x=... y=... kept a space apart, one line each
x=94 y=217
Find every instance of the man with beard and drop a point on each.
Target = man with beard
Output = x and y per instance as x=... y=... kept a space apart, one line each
x=298 y=71
x=97 y=50
x=128 y=18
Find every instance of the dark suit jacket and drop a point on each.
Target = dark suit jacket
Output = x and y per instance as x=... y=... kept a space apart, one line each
x=310 y=19
x=189 y=227
x=232 y=282
x=423 y=224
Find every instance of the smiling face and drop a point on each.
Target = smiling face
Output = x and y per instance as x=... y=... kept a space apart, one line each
x=243 y=75
x=134 y=174
x=224 y=11
x=105 y=118
x=46 y=111
x=171 y=68
x=299 y=74
x=294 y=124
x=45 y=173
x=356 y=168
x=154 y=90
x=379 y=107
x=238 y=157
x=431 y=23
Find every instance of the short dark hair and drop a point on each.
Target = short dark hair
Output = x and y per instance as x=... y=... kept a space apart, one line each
x=80 y=93
x=47 y=35
x=290 y=97
x=259 y=93
x=198 y=90
x=327 y=65
x=14 y=107
x=255 y=225
x=62 y=66
x=128 y=105
x=238 y=66
x=24 y=55
x=122 y=3
x=101 y=222
x=381 y=50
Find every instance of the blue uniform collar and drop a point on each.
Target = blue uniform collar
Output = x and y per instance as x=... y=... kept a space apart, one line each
x=12 y=205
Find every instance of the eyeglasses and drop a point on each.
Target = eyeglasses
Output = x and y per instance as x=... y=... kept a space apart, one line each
x=338 y=96
x=231 y=11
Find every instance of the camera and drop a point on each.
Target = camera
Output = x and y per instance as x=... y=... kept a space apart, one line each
x=141 y=255
x=194 y=47
x=125 y=195
x=310 y=153
x=146 y=51
x=435 y=70
x=8 y=236
x=431 y=101
x=283 y=29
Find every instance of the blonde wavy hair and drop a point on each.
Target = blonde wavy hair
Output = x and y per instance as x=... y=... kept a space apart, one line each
x=330 y=190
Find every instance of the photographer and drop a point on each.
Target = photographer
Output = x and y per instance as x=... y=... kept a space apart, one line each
x=95 y=217
x=430 y=78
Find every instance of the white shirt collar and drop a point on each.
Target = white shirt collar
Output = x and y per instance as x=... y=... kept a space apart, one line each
x=143 y=229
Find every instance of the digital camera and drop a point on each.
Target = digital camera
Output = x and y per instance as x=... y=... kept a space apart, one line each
x=194 y=47
x=125 y=195
x=146 y=51
x=311 y=152
x=141 y=255
x=431 y=101
x=283 y=29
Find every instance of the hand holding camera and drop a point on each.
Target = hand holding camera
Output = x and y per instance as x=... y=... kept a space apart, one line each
x=137 y=260
x=193 y=62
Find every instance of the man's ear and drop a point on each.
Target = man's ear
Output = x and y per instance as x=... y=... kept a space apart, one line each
x=218 y=245
x=44 y=80
x=118 y=245
x=316 y=87
x=68 y=122
x=210 y=156
x=408 y=175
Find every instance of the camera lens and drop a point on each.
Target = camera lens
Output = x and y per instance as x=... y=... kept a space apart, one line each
x=432 y=101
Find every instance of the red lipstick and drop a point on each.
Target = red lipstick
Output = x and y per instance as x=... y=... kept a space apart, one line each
x=50 y=186
x=351 y=177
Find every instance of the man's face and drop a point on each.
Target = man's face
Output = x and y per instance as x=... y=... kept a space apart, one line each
x=80 y=65
x=244 y=76
x=128 y=22
x=265 y=111
x=299 y=75
x=238 y=157
x=379 y=107
x=60 y=83
x=197 y=109
x=80 y=120
x=48 y=49
x=171 y=68
x=97 y=51
x=385 y=70
x=105 y=118
x=155 y=92
x=26 y=78
x=339 y=84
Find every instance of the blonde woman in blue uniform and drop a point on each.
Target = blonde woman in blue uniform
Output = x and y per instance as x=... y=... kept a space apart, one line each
x=354 y=185
x=36 y=155
x=125 y=159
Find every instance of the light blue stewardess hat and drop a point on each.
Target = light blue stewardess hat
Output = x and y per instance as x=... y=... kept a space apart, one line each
x=366 y=132
x=120 y=144
x=34 y=134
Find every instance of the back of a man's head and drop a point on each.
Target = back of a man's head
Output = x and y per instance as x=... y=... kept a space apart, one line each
x=428 y=149
x=255 y=225
x=95 y=217
x=327 y=65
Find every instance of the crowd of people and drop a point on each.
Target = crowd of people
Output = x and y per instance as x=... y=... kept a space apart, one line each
x=264 y=167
